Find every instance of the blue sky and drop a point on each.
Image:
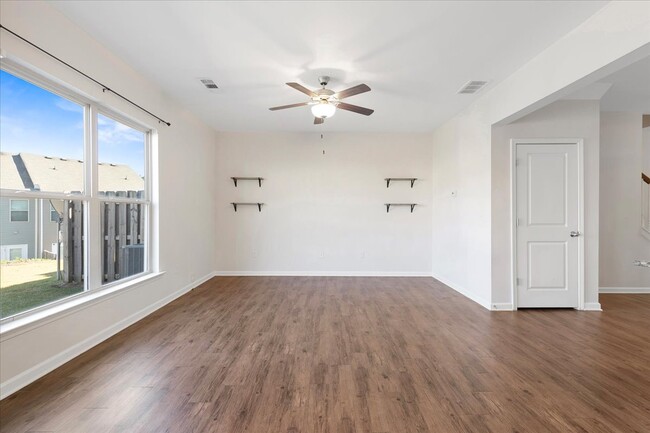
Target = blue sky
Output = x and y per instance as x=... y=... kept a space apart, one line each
x=34 y=120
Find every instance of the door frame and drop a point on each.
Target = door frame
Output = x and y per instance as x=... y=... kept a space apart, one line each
x=579 y=143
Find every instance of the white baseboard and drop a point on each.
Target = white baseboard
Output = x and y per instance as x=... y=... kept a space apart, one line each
x=482 y=302
x=320 y=274
x=592 y=306
x=502 y=306
x=28 y=376
x=629 y=290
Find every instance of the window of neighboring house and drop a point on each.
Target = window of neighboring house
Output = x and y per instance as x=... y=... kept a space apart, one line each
x=47 y=133
x=54 y=215
x=15 y=253
x=19 y=210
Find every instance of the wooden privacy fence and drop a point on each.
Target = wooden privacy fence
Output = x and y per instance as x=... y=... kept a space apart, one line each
x=122 y=228
x=72 y=229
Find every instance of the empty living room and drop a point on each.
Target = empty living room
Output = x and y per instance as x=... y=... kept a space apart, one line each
x=324 y=216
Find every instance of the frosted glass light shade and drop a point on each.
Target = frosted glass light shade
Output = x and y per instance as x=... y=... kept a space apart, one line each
x=323 y=110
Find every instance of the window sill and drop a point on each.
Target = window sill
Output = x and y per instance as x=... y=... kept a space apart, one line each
x=28 y=322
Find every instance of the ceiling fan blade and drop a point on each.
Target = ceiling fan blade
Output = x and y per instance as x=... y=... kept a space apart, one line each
x=282 y=107
x=355 y=108
x=318 y=121
x=361 y=88
x=302 y=89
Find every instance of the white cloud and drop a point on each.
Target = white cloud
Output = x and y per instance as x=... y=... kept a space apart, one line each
x=66 y=105
x=111 y=132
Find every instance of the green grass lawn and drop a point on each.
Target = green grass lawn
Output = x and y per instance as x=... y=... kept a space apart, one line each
x=26 y=284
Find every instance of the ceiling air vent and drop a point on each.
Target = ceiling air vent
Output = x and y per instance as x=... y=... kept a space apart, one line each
x=472 y=87
x=209 y=84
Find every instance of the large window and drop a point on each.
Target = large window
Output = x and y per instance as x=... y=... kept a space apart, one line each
x=19 y=211
x=74 y=182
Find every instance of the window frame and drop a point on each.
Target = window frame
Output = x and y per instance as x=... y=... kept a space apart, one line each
x=11 y=211
x=93 y=277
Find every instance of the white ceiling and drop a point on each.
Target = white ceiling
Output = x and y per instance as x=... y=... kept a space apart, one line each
x=414 y=55
x=630 y=89
x=627 y=89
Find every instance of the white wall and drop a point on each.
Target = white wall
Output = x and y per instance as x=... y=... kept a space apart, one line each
x=461 y=206
x=324 y=213
x=186 y=193
x=616 y=36
x=562 y=119
x=621 y=239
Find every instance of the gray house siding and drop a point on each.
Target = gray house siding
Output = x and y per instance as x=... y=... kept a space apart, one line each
x=17 y=232
x=25 y=232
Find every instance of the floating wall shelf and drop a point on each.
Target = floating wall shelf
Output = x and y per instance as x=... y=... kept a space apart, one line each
x=400 y=179
x=258 y=179
x=388 y=205
x=259 y=205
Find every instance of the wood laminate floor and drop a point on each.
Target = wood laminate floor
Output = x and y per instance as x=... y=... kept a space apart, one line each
x=343 y=355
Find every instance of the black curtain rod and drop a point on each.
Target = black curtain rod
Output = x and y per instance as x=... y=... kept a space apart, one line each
x=105 y=88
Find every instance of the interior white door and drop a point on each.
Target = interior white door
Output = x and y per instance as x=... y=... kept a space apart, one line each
x=547 y=220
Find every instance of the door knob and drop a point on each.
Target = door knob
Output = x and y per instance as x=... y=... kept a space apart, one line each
x=574 y=234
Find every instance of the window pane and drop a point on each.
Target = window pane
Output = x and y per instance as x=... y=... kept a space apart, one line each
x=19 y=210
x=123 y=230
x=19 y=205
x=42 y=263
x=19 y=216
x=121 y=158
x=41 y=138
x=54 y=214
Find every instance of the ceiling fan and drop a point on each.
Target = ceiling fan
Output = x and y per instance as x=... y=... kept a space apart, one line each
x=324 y=102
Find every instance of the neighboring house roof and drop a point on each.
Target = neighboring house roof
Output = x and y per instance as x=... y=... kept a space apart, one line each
x=9 y=175
x=46 y=173
x=117 y=177
x=53 y=174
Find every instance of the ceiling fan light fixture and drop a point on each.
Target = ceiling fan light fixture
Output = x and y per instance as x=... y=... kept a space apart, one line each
x=324 y=102
x=324 y=110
